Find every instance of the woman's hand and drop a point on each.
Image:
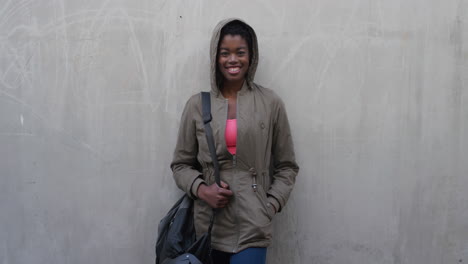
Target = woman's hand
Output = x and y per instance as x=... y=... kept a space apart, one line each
x=215 y=196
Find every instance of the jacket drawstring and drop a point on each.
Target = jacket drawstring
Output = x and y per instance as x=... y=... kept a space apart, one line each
x=254 y=178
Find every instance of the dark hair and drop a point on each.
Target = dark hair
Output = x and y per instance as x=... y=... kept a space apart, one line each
x=234 y=28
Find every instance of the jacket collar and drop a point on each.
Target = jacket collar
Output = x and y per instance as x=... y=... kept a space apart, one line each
x=245 y=87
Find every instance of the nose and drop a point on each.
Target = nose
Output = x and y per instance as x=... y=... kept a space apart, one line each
x=232 y=58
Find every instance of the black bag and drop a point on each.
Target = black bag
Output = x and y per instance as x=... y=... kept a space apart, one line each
x=176 y=241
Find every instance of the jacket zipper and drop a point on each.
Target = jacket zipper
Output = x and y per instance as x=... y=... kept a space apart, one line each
x=234 y=164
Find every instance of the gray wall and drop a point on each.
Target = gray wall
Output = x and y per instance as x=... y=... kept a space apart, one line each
x=91 y=94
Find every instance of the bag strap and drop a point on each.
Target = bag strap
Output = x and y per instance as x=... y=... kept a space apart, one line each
x=206 y=105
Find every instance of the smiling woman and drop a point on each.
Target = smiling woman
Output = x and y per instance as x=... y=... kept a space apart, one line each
x=233 y=59
x=233 y=63
x=251 y=132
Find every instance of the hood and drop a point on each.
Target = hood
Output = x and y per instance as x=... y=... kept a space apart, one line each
x=214 y=51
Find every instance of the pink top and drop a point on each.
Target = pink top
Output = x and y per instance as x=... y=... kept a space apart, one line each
x=231 y=135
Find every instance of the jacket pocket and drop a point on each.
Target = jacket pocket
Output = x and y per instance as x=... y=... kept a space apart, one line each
x=260 y=194
x=252 y=213
x=270 y=211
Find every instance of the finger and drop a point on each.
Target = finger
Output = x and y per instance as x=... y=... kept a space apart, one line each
x=224 y=185
x=225 y=192
x=221 y=198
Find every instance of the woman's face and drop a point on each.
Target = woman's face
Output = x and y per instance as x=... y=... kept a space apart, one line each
x=233 y=58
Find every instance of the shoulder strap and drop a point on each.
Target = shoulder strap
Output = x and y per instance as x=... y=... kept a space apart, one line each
x=206 y=106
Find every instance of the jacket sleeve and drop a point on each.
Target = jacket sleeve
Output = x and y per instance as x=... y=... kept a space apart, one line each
x=284 y=162
x=184 y=163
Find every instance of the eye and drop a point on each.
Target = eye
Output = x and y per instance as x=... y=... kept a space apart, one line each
x=241 y=53
x=223 y=54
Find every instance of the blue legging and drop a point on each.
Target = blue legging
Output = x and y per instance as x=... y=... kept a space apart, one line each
x=246 y=256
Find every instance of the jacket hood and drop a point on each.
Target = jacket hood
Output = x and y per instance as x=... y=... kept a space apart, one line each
x=214 y=50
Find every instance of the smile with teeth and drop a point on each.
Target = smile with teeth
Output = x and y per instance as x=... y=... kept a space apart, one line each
x=234 y=70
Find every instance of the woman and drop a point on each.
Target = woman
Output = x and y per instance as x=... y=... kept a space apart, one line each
x=253 y=145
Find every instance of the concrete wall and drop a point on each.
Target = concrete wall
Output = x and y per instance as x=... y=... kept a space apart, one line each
x=91 y=94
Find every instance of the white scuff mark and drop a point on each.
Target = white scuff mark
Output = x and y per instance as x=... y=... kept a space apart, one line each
x=139 y=56
x=22 y=120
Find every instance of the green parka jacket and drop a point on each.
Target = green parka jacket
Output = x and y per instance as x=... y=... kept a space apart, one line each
x=261 y=173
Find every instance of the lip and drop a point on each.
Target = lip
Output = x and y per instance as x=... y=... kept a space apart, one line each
x=234 y=70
